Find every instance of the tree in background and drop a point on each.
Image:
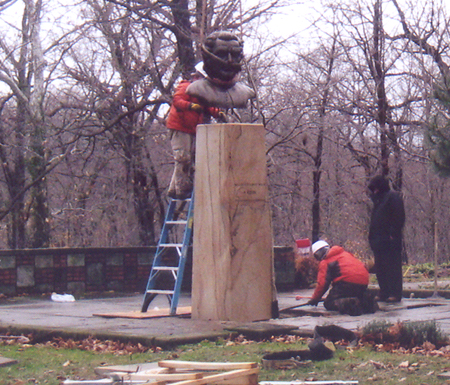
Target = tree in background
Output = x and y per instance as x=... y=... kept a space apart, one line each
x=438 y=130
x=110 y=70
x=23 y=72
x=433 y=42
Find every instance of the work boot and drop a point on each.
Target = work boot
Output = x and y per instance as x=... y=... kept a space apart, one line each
x=351 y=306
x=393 y=300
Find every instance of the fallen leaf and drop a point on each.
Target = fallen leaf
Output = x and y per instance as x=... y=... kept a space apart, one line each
x=403 y=364
x=377 y=365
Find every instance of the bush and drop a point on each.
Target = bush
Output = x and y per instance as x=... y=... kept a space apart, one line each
x=406 y=335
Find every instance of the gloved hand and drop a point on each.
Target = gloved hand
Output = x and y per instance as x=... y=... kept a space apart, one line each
x=196 y=107
x=222 y=117
x=313 y=302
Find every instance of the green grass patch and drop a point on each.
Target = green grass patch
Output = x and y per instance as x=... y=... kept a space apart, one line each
x=40 y=364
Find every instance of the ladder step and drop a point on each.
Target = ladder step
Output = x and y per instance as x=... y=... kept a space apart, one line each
x=179 y=222
x=186 y=200
x=152 y=291
x=168 y=268
x=171 y=244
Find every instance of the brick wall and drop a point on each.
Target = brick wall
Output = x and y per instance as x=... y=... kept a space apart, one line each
x=81 y=270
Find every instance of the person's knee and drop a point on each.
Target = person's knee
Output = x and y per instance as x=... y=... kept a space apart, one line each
x=182 y=156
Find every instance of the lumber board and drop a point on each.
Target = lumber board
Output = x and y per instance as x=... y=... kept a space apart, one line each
x=169 y=377
x=251 y=379
x=4 y=361
x=150 y=367
x=332 y=382
x=207 y=365
x=151 y=313
x=103 y=381
x=219 y=377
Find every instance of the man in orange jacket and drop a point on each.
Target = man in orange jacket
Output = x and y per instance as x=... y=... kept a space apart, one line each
x=348 y=278
x=185 y=114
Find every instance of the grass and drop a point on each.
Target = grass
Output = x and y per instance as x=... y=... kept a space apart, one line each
x=46 y=365
x=39 y=364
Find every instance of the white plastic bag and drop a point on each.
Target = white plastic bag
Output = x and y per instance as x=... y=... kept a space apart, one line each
x=62 y=297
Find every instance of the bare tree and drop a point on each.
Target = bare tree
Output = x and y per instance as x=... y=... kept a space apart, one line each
x=23 y=72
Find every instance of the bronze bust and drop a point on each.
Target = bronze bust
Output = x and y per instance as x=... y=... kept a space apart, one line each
x=222 y=55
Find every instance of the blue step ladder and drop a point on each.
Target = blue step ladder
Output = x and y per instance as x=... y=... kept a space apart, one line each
x=176 y=234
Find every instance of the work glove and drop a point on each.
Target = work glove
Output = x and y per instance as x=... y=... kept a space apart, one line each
x=196 y=107
x=222 y=117
x=313 y=302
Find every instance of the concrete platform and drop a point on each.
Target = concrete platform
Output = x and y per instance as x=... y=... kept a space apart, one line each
x=45 y=319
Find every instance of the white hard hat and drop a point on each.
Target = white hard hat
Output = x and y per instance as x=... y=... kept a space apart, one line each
x=319 y=245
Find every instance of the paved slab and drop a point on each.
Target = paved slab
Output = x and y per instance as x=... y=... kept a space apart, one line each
x=46 y=318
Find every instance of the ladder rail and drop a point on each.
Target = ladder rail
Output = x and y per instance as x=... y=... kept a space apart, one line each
x=161 y=247
x=158 y=267
x=182 y=261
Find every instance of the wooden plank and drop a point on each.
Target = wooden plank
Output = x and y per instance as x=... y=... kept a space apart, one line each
x=4 y=361
x=251 y=379
x=151 y=313
x=332 y=382
x=217 y=378
x=207 y=365
x=444 y=375
x=151 y=367
x=169 y=377
x=103 y=381
x=232 y=276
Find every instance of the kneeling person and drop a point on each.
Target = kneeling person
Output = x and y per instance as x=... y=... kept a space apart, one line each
x=348 y=278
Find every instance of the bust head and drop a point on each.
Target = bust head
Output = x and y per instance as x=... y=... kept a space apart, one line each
x=222 y=55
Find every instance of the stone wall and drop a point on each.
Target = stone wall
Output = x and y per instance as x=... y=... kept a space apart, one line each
x=81 y=270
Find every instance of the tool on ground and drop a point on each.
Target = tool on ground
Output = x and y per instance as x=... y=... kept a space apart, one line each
x=296 y=306
x=166 y=277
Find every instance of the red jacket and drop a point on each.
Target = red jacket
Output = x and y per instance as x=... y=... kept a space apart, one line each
x=180 y=116
x=339 y=265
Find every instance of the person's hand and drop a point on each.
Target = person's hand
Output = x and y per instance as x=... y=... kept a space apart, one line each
x=313 y=302
x=196 y=107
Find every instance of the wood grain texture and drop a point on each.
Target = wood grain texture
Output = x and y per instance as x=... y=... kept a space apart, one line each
x=233 y=255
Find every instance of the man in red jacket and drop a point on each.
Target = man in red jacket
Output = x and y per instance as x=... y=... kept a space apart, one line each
x=185 y=114
x=348 y=278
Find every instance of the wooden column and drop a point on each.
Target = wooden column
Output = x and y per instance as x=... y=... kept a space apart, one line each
x=232 y=276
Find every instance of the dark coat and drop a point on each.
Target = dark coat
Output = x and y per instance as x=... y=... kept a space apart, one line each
x=388 y=217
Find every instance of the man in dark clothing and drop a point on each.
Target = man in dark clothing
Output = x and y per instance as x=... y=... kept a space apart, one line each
x=385 y=238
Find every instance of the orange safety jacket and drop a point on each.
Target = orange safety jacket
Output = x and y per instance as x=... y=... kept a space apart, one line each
x=180 y=117
x=339 y=266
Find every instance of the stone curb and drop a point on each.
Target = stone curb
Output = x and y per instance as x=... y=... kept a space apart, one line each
x=41 y=334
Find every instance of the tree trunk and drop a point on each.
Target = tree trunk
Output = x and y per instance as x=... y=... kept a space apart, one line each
x=319 y=147
x=182 y=30
x=379 y=78
x=16 y=184
x=40 y=236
